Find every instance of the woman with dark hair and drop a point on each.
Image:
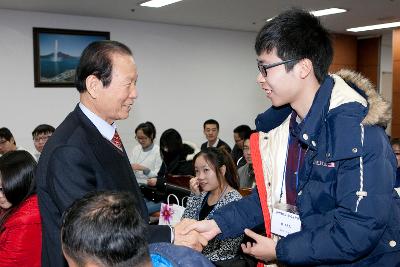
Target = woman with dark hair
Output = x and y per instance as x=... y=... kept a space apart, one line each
x=215 y=185
x=176 y=160
x=20 y=224
x=146 y=159
x=176 y=154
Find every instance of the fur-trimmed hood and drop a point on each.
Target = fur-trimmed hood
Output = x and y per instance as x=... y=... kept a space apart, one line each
x=379 y=112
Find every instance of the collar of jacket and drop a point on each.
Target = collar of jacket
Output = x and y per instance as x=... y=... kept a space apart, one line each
x=341 y=118
x=339 y=145
x=272 y=118
x=310 y=127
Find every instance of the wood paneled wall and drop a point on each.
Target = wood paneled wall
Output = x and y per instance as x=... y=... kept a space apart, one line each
x=396 y=84
x=368 y=58
x=344 y=52
x=361 y=55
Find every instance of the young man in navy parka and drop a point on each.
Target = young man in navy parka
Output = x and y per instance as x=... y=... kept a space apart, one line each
x=323 y=149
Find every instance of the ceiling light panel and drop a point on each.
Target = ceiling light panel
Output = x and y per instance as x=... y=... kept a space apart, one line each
x=159 y=3
x=375 y=27
x=329 y=11
x=323 y=12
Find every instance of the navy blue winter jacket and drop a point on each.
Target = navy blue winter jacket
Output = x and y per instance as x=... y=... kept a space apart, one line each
x=349 y=211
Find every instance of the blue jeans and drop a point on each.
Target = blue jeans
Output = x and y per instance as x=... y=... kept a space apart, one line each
x=152 y=206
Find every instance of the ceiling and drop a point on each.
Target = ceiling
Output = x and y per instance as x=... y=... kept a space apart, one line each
x=243 y=15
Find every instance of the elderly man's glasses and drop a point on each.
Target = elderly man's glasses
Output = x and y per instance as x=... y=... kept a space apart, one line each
x=263 y=67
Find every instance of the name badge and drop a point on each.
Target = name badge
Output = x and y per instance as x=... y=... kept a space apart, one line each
x=285 y=220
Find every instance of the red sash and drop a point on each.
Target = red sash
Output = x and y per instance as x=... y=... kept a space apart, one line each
x=259 y=175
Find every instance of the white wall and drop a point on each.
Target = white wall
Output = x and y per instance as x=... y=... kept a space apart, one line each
x=386 y=52
x=386 y=69
x=186 y=75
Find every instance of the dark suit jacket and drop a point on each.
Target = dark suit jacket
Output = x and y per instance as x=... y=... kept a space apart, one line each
x=77 y=159
x=220 y=143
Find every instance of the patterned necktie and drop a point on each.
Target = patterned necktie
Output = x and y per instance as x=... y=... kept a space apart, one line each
x=116 y=140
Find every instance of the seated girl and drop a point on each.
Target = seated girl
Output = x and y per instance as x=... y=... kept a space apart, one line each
x=146 y=159
x=215 y=185
x=20 y=224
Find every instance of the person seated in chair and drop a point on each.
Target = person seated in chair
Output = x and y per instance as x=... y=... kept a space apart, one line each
x=215 y=185
x=7 y=141
x=40 y=136
x=237 y=152
x=146 y=159
x=177 y=156
x=246 y=172
x=211 y=130
x=20 y=223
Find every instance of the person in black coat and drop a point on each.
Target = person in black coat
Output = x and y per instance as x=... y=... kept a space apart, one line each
x=177 y=157
x=211 y=130
x=239 y=134
x=85 y=152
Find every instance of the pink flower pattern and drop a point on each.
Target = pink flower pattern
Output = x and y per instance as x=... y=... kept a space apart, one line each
x=167 y=212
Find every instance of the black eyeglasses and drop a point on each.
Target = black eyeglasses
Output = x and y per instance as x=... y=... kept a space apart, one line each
x=263 y=67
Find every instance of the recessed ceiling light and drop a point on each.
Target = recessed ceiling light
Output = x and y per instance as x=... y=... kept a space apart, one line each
x=375 y=27
x=329 y=11
x=158 y=3
x=323 y=12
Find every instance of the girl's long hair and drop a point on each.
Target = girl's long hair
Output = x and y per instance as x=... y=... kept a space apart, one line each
x=17 y=174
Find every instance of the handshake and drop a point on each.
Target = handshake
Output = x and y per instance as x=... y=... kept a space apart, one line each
x=195 y=234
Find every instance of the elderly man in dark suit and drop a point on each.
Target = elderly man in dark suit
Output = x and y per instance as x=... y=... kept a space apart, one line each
x=85 y=153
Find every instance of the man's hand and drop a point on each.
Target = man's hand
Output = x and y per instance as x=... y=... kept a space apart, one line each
x=207 y=228
x=263 y=249
x=191 y=238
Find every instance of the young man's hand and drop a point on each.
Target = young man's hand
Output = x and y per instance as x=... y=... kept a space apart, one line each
x=207 y=228
x=263 y=248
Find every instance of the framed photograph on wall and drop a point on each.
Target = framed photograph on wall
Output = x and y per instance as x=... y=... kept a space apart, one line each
x=56 y=54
